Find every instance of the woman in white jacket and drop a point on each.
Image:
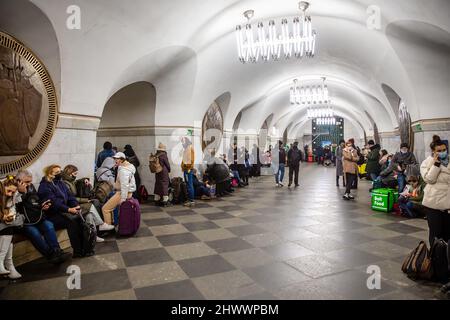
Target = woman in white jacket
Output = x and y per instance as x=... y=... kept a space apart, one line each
x=124 y=186
x=436 y=173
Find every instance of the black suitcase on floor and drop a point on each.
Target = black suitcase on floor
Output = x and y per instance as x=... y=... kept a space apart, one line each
x=439 y=260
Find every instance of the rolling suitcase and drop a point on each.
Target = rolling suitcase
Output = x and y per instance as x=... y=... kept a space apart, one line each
x=129 y=217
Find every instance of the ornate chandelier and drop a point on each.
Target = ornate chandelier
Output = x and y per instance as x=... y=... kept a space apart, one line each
x=309 y=95
x=326 y=121
x=319 y=112
x=296 y=39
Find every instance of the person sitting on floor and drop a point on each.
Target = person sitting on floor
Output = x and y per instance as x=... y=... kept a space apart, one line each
x=387 y=177
x=202 y=190
x=410 y=201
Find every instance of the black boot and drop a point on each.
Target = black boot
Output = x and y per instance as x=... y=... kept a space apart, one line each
x=337 y=181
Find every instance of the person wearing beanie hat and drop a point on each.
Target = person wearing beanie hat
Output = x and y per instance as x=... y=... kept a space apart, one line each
x=162 y=178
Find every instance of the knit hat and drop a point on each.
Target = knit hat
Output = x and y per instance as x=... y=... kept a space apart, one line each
x=161 y=147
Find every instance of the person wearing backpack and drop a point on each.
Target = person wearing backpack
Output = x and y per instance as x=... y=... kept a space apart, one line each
x=124 y=186
x=162 y=177
x=294 y=157
x=435 y=171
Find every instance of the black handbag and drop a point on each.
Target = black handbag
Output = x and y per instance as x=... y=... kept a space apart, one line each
x=31 y=208
x=89 y=233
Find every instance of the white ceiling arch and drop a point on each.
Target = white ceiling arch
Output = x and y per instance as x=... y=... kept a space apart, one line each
x=116 y=34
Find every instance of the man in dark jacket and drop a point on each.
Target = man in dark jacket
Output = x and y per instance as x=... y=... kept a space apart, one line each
x=400 y=162
x=105 y=153
x=373 y=159
x=294 y=158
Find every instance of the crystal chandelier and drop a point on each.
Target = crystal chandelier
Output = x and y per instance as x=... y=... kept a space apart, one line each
x=319 y=112
x=309 y=95
x=326 y=121
x=296 y=39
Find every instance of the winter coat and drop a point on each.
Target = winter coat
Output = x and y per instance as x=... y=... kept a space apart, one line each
x=19 y=218
x=106 y=172
x=70 y=184
x=403 y=160
x=103 y=155
x=419 y=192
x=188 y=158
x=437 y=191
x=162 y=178
x=350 y=161
x=373 y=158
x=294 y=157
x=339 y=161
x=59 y=195
x=218 y=171
x=125 y=182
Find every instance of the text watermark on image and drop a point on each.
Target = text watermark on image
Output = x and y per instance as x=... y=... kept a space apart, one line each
x=73 y=22
x=374 y=280
x=74 y=279
x=373 y=22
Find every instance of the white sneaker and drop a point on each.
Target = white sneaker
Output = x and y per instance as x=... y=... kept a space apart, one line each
x=100 y=239
x=105 y=227
x=281 y=185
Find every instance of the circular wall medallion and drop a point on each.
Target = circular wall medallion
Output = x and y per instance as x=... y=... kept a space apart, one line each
x=28 y=105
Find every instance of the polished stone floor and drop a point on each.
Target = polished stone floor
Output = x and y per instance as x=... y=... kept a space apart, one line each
x=261 y=243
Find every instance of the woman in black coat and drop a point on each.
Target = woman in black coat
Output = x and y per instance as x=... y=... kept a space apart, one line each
x=162 y=178
x=133 y=159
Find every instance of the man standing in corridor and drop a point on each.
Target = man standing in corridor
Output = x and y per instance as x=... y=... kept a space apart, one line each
x=294 y=158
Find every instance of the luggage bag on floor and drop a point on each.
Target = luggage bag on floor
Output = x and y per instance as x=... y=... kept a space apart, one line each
x=417 y=264
x=129 y=217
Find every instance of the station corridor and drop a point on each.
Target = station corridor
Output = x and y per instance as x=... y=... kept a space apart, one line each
x=261 y=243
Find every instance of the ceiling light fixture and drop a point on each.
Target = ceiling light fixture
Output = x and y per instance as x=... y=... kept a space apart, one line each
x=326 y=121
x=296 y=39
x=319 y=112
x=309 y=95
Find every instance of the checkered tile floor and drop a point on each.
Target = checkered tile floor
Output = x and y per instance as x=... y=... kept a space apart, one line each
x=261 y=243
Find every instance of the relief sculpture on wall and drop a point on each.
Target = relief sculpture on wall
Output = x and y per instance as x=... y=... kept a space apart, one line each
x=28 y=106
x=404 y=119
x=213 y=119
x=20 y=105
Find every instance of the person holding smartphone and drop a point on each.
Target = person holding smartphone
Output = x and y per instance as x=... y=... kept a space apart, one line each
x=64 y=209
x=37 y=228
x=350 y=157
x=436 y=173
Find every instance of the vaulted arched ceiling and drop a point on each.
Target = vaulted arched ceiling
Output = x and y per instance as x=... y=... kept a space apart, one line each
x=187 y=49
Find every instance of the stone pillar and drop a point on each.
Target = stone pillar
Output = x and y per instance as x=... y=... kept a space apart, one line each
x=423 y=135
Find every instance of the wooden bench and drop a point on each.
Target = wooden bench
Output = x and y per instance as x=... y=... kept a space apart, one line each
x=24 y=251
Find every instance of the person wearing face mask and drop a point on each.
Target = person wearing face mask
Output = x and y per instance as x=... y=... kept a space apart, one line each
x=350 y=156
x=89 y=208
x=436 y=173
x=64 y=211
x=387 y=178
x=410 y=201
x=37 y=228
x=400 y=162
x=339 y=162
